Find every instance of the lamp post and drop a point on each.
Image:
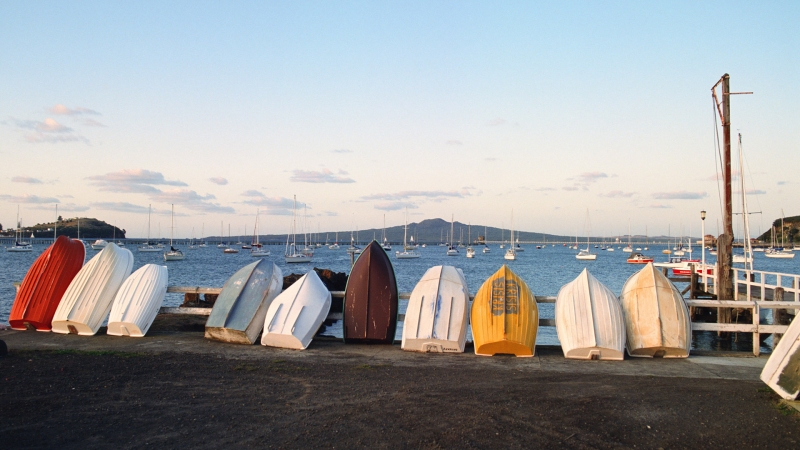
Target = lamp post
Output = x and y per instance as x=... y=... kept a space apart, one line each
x=703 y=239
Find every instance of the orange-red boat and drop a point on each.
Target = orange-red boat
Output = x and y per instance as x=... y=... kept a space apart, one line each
x=44 y=284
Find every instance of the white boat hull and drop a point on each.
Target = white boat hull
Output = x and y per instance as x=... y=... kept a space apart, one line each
x=292 y=259
x=589 y=320
x=137 y=301
x=88 y=299
x=436 y=317
x=782 y=370
x=406 y=255
x=297 y=313
x=656 y=317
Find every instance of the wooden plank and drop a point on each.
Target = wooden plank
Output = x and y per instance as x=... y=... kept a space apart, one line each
x=779 y=305
x=738 y=327
x=776 y=329
x=191 y=311
x=721 y=303
x=193 y=290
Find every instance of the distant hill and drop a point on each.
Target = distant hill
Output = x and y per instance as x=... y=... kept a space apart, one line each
x=791 y=230
x=90 y=228
x=433 y=231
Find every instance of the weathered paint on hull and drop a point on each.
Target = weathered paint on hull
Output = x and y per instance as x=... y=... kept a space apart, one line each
x=782 y=370
x=238 y=314
x=370 y=302
x=589 y=320
x=505 y=317
x=87 y=301
x=137 y=302
x=657 y=320
x=45 y=283
x=437 y=313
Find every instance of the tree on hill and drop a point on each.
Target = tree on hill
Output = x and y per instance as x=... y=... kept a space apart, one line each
x=90 y=228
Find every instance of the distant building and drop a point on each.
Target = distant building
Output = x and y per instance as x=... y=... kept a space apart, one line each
x=710 y=240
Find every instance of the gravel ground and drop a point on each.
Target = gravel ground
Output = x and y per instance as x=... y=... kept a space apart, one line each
x=67 y=398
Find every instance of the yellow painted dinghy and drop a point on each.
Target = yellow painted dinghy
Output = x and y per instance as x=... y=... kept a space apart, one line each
x=505 y=317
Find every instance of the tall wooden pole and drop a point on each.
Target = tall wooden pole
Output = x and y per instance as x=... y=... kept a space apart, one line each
x=725 y=242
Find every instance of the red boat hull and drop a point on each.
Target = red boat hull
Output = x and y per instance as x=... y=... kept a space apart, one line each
x=370 y=299
x=45 y=283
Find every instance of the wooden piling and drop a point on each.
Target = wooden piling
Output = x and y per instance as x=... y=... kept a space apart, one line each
x=779 y=316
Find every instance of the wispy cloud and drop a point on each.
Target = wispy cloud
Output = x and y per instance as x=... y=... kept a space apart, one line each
x=274 y=206
x=781 y=183
x=142 y=181
x=324 y=176
x=92 y=123
x=496 y=122
x=192 y=200
x=47 y=131
x=394 y=206
x=63 y=207
x=679 y=195
x=28 y=198
x=490 y=159
x=64 y=111
x=570 y=188
x=132 y=181
x=430 y=195
x=755 y=192
x=120 y=206
x=618 y=194
x=341 y=150
x=591 y=177
x=454 y=142
x=218 y=180
x=29 y=180
x=544 y=189
x=660 y=206
x=132 y=208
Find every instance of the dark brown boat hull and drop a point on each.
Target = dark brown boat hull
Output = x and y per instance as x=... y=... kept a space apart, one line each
x=370 y=299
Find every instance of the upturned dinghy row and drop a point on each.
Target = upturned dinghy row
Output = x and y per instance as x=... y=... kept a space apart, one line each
x=650 y=317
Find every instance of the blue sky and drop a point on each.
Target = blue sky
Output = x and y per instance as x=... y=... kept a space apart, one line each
x=365 y=109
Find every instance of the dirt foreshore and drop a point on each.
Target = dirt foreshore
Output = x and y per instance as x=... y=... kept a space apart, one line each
x=177 y=390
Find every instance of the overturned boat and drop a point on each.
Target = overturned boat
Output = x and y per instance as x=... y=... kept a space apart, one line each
x=505 y=317
x=137 y=302
x=782 y=371
x=437 y=313
x=657 y=322
x=45 y=283
x=296 y=314
x=370 y=299
x=87 y=301
x=239 y=312
x=589 y=320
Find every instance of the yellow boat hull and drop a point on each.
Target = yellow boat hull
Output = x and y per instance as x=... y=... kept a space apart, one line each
x=505 y=317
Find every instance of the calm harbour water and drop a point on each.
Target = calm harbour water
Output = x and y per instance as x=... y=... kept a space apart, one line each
x=544 y=270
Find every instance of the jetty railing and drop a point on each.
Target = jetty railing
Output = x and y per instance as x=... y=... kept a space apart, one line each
x=755 y=328
x=756 y=284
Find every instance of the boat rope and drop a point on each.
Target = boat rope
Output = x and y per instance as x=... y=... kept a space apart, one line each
x=718 y=151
